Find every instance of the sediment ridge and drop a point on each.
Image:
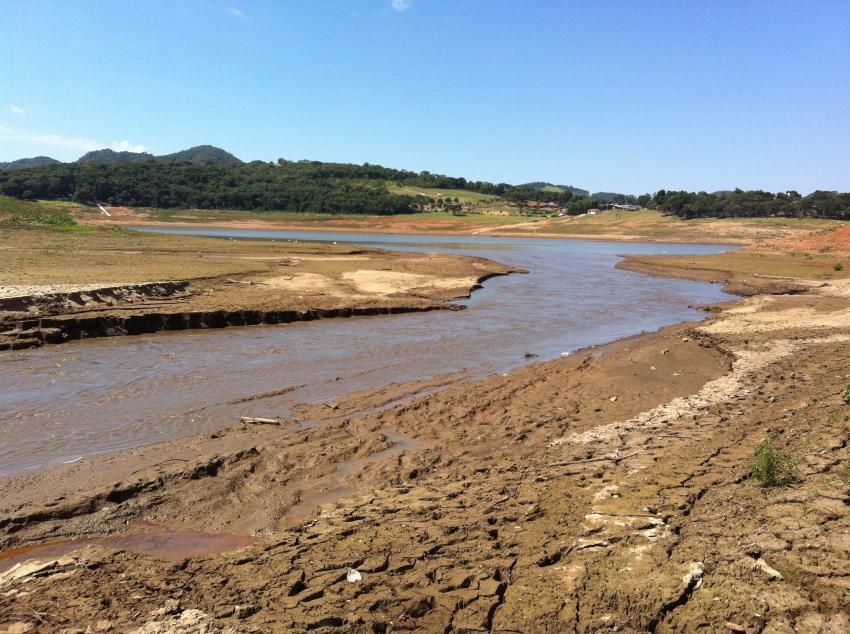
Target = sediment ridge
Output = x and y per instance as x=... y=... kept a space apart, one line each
x=232 y=283
x=36 y=332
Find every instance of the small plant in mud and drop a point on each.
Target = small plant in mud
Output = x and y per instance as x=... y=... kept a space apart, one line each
x=838 y=266
x=845 y=395
x=773 y=467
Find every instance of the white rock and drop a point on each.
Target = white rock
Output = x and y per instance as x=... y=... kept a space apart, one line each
x=694 y=575
x=353 y=576
x=762 y=565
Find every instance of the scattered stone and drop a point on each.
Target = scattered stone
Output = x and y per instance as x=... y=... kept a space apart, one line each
x=353 y=576
x=734 y=627
x=20 y=628
x=244 y=611
x=189 y=622
x=693 y=577
x=171 y=606
x=763 y=566
x=103 y=626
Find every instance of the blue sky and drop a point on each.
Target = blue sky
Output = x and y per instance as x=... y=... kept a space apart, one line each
x=616 y=96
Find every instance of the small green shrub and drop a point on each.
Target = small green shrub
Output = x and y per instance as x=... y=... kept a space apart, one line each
x=845 y=395
x=838 y=266
x=772 y=467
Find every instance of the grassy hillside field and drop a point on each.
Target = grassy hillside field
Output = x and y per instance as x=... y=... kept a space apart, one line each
x=21 y=213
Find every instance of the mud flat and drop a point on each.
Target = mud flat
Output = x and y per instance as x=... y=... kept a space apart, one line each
x=626 y=226
x=60 y=287
x=609 y=490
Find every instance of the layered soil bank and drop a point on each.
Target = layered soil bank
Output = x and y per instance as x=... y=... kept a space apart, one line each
x=605 y=491
x=60 y=287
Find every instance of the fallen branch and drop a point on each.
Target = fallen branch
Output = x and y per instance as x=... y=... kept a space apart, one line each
x=259 y=421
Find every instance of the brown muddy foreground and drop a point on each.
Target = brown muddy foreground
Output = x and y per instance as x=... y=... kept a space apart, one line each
x=605 y=491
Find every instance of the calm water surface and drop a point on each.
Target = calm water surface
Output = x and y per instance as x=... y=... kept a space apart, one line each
x=62 y=403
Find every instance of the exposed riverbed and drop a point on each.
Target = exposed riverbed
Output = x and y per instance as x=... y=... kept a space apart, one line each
x=84 y=398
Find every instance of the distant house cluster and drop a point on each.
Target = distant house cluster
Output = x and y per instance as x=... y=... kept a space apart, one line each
x=535 y=208
x=623 y=207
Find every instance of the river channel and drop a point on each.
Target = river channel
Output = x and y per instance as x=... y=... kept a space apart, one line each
x=84 y=398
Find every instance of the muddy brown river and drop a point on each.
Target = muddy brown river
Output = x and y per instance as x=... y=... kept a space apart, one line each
x=65 y=403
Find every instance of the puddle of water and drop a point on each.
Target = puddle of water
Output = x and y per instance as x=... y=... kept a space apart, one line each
x=154 y=540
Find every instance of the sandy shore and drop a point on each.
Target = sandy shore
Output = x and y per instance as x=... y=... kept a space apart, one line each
x=64 y=287
x=605 y=491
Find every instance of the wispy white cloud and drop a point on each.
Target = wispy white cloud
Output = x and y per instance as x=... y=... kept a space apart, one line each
x=16 y=109
x=401 y=5
x=126 y=146
x=72 y=142
x=236 y=12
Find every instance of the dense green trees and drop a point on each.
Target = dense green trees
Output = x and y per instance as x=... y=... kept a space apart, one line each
x=303 y=186
x=346 y=188
x=755 y=203
x=284 y=185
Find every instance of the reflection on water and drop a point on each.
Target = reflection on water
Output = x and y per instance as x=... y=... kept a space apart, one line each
x=145 y=538
x=61 y=403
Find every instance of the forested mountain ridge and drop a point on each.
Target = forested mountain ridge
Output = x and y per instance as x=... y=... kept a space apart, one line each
x=543 y=186
x=285 y=185
x=35 y=161
x=111 y=156
x=200 y=154
x=217 y=182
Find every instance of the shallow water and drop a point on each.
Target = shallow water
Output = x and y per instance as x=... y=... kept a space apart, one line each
x=63 y=403
x=146 y=538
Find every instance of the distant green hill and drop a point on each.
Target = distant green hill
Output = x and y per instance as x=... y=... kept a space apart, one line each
x=612 y=197
x=199 y=155
x=111 y=156
x=549 y=187
x=202 y=155
x=35 y=161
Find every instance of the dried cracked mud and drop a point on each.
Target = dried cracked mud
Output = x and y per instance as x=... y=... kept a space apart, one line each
x=605 y=491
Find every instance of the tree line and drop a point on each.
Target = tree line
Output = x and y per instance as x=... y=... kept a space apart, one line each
x=749 y=204
x=168 y=185
x=347 y=188
x=285 y=185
